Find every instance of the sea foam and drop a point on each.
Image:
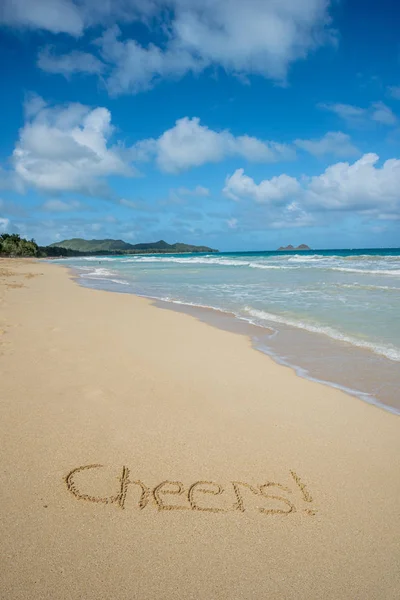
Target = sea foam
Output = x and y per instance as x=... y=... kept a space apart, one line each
x=391 y=353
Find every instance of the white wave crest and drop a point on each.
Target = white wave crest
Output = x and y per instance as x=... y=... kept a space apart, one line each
x=98 y=258
x=312 y=258
x=392 y=353
x=188 y=261
x=390 y=272
x=100 y=271
x=222 y=262
x=104 y=275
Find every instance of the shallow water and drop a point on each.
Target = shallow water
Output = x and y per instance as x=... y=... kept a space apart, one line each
x=334 y=315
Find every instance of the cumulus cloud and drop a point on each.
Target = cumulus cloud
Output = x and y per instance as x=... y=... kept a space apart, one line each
x=333 y=142
x=362 y=187
x=189 y=144
x=66 y=148
x=261 y=37
x=250 y=37
x=134 y=68
x=274 y=191
x=359 y=186
x=355 y=115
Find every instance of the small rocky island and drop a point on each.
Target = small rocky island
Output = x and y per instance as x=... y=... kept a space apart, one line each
x=292 y=248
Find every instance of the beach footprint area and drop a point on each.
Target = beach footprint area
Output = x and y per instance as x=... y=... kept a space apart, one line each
x=147 y=454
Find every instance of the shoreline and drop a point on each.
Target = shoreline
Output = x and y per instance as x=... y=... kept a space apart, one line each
x=148 y=454
x=259 y=336
x=196 y=311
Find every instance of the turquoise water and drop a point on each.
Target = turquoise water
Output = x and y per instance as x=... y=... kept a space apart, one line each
x=317 y=308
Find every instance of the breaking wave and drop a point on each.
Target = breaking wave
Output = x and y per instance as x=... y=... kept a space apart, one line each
x=391 y=353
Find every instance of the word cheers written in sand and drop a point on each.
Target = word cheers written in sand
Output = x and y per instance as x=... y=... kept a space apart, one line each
x=93 y=483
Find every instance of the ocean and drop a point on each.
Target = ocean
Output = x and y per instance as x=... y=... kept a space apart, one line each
x=332 y=315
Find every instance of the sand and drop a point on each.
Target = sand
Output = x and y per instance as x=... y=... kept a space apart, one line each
x=145 y=454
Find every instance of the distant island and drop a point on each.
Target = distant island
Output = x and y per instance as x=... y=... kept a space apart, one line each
x=79 y=246
x=291 y=248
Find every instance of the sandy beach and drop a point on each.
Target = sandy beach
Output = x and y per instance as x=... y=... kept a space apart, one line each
x=146 y=454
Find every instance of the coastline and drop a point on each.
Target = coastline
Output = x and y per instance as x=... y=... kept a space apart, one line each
x=92 y=378
x=304 y=363
x=259 y=337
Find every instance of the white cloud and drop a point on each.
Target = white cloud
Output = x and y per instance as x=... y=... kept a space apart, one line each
x=253 y=36
x=52 y=15
x=189 y=144
x=262 y=37
x=355 y=115
x=383 y=114
x=361 y=187
x=250 y=37
x=358 y=186
x=333 y=142
x=274 y=191
x=66 y=148
x=69 y=64
x=345 y=111
x=72 y=16
x=135 y=68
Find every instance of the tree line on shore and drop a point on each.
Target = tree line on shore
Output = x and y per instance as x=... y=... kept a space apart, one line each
x=12 y=244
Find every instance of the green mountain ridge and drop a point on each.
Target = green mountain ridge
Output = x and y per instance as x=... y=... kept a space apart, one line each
x=119 y=246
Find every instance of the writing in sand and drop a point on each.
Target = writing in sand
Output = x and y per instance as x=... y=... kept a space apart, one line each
x=98 y=484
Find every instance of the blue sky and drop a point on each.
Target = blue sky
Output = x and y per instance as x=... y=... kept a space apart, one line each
x=236 y=125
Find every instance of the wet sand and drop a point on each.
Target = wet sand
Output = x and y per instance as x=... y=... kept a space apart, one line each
x=360 y=373
x=147 y=454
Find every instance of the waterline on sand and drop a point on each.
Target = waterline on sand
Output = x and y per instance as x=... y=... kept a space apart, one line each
x=332 y=315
